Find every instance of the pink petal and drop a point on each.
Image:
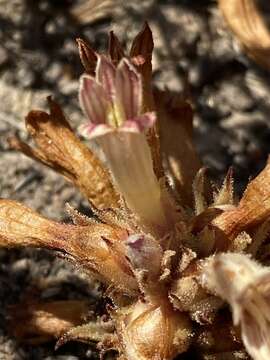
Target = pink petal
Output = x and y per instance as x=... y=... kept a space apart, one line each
x=128 y=85
x=93 y=100
x=146 y=120
x=129 y=126
x=140 y=123
x=105 y=75
x=92 y=131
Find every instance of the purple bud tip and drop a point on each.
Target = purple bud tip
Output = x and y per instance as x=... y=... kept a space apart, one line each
x=135 y=242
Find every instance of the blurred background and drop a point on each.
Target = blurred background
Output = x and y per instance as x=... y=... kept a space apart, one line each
x=38 y=57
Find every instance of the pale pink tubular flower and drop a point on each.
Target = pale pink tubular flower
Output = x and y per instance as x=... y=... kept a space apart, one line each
x=245 y=285
x=112 y=102
x=113 y=99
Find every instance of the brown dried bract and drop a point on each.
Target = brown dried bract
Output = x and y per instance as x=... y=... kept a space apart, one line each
x=176 y=128
x=95 y=247
x=38 y=322
x=253 y=208
x=59 y=148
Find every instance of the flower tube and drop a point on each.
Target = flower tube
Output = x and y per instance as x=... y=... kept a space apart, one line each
x=112 y=102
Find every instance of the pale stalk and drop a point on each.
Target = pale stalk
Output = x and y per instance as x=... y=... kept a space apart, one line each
x=129 y=159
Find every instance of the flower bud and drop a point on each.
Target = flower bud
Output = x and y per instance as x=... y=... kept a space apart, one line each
x=153 y=331
x=144 y=253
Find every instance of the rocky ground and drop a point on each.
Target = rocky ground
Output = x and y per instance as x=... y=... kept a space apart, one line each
x=38 y=57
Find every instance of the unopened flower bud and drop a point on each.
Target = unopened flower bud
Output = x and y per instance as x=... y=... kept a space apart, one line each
x=153 y=331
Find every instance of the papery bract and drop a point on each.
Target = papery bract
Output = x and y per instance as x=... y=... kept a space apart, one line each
x=246 y=286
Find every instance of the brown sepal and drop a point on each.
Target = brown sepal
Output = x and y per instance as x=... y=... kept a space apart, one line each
x=182 y=162
x=143 y=45
x=88 y=56
x=225 y=195
x=203 y=219
x=97 y=331
x=253 y=208
x=115 y=49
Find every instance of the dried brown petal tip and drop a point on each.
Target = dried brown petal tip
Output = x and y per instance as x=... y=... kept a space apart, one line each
x=115 y=49
x=87 y=55
x=143 y=43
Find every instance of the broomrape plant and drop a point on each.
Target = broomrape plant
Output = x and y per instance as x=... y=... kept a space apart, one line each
x=173 y=252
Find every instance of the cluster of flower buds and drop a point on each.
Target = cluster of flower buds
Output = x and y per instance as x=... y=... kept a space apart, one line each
x=172 y=252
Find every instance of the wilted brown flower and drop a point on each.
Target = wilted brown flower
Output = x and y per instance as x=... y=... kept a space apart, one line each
x=172 y=254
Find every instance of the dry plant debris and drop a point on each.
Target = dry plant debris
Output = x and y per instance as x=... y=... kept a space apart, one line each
x=248 y=24
x=93 y=10
x=173 y=252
